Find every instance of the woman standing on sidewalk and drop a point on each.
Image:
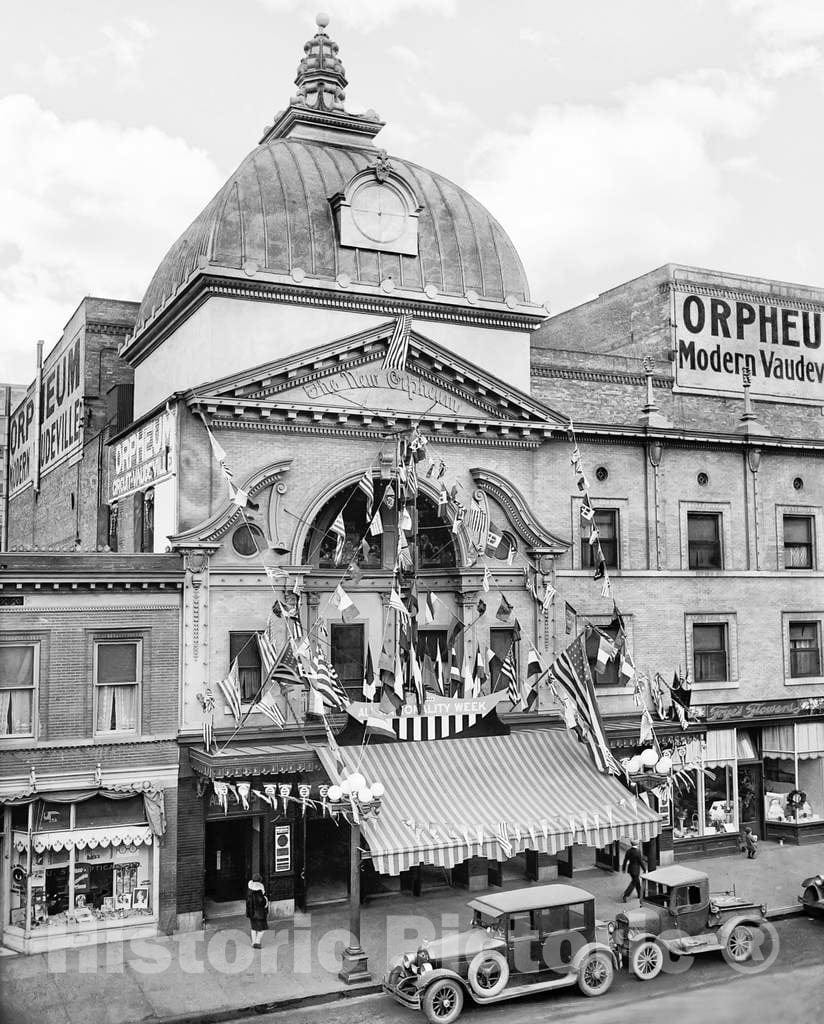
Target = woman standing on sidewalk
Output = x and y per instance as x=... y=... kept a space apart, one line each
x=257 y=909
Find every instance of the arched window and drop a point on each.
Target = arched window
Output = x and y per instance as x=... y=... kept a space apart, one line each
x=430 y=540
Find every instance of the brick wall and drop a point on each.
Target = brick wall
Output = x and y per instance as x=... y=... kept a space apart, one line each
x=67 y=636
x=67 y=504
x=191 y=847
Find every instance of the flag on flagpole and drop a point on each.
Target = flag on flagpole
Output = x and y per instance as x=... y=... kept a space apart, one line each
x=376 y=524
x=366 y=484
x=479 y=673
x=208 y=719
x=509 y=675
x=324 y=680
x=487 y=580
x=397 y=604
x=338 y=528
x=349 y=611
x=230 y=688
x=571 y=670
x=455 y=674
x=267 y=706
x=370 y=686
x=395 y=358
x=494 y=537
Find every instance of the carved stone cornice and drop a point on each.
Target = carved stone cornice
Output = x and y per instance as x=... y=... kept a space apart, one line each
x=521 y=517
x=207 y=535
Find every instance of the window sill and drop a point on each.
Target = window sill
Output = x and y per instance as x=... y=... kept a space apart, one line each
x=804 y=681
x=723 y=684
x=613 y=691
x=109 y=737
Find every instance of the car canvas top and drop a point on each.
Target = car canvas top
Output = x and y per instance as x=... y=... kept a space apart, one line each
x=534 y=898
x=674 y=875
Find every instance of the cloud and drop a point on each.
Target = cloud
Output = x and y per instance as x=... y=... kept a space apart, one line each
x=364 y=14
x=405 y=56
x=119 y=52
x=87 y=208
x=782 y=22
x=598 y=193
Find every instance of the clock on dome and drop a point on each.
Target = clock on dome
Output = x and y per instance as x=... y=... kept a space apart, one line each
x=378 y=210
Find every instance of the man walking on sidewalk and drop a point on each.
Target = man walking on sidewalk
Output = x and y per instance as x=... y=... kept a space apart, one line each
x=634 y=862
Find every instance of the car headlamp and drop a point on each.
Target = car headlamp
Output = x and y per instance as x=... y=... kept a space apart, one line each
x=611 y=927
x=406 y=962
x=764 y=909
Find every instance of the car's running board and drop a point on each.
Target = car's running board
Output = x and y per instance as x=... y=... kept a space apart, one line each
x=523 y=990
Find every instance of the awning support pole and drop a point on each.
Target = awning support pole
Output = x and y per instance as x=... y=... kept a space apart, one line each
x=354 y=967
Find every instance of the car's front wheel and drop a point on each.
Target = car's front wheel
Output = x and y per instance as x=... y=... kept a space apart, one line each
x=595 y=973
x=740 y=943
x=443 y=1001
x=647 y=960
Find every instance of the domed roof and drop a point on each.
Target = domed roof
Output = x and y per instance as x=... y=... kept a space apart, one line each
x=275 y=211
x=275 y=214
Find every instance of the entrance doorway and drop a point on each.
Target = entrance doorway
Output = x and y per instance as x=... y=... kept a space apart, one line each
x=326 y=861
x=228 y=859
x=751 y=798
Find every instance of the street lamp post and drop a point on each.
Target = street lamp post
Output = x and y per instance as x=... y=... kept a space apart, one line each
x=355 y=799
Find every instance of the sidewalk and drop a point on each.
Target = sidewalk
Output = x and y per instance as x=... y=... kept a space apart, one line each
x=214 y=973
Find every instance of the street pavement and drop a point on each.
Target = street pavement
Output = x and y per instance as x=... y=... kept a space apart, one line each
x=214 y=973
x=710 y=992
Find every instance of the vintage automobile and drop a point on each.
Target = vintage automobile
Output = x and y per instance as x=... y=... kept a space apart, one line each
x=812 y=895
x=680 y=915
x=520 y=942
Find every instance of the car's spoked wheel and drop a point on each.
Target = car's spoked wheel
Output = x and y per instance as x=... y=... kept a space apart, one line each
x=740 y=943
x=595 y=974
x=443 y=1002
x=489 y=974
x=647 y=960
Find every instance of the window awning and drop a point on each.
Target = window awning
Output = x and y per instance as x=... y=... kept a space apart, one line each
x=447 y=800
x=81 y=838
x=243 y=760
x=805 y=740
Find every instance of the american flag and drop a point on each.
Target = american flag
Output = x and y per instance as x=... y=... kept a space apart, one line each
x=395 y=358
x=368 y=487
x=324 y=680
x=281 y=667
x=339 y=530
x=268 y=707
x=230 y=688
x=571 y=671
x=510 y=674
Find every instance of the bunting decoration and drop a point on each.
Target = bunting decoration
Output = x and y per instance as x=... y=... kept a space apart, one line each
x=395 y=358
x=207 y=703
x=237 y=495
x=366 y=484
x=339 y=530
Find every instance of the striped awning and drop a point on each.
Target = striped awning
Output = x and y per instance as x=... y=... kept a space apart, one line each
x=447 y=800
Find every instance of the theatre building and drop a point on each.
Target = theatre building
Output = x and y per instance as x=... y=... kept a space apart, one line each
x=331 y=306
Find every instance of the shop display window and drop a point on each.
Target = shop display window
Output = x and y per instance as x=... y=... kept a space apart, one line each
x=719 y=800
x=793 y=793
x=686 y=821
x=97 y=876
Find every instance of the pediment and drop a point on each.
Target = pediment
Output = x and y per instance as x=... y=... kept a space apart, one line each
x=345 y=382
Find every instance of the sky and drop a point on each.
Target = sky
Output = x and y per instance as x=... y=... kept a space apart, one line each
x=607 y=136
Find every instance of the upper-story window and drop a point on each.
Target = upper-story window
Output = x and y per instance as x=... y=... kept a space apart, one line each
x=805 y=649
x=606 y=523
x=348 y=656
x=704 y=540
x=709 y=643
x=244 y=647
x=18 y=686
x=117 y=675
x=798 y=542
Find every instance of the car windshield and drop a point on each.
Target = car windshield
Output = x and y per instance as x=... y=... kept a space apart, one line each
x=481 y=920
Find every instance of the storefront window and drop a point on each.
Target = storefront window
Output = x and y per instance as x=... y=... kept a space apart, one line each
x=686 y=821
x=90 y=861
x=719 y=800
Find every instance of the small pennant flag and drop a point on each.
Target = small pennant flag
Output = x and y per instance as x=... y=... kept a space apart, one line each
x=533 y=664
x=217 y=449
x=487 y=580
x=339 y=530
x=493 y=539
x=606 y=652
x=430 y=606
x=438 y=668
x=627 y=673
x=502 y=836
x=481 y=607
x=346 y=606
x=370 y=685
x=504 y=609
x=549 y=596
x=510 y=676
x=587 y=512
